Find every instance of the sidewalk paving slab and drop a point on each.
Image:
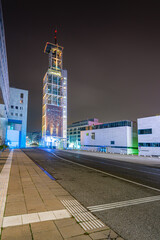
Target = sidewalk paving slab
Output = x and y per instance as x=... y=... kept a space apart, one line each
x=34 y=203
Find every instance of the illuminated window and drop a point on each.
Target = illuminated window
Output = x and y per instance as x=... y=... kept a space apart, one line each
x=53 y=63
x=59 y=101
x=49 y=89
x=49 y=99
x=49 y=78
x=21 y=101
x=60 y=91
x=59 y=81
x=54 y=80
x=54 y=100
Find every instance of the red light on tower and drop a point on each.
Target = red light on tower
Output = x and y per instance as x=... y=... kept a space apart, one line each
x=55 y=36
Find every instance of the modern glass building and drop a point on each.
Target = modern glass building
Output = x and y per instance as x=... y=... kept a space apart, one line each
x=54 y=109
x=4 y=82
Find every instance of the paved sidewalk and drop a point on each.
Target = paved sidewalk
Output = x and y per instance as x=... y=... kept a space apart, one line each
x=38 y=208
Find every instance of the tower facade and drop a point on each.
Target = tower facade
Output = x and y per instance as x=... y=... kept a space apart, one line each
x=54 y=107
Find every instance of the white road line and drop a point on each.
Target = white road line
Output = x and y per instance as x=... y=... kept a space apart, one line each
x=35 y=217
x=111 y=175
x=109 y=206
x=4 y=179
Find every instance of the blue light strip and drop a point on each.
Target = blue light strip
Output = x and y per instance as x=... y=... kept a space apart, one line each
x=14 y=121
x=49 y=175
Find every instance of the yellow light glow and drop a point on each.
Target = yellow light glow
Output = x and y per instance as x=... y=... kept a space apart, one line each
x=55 y=73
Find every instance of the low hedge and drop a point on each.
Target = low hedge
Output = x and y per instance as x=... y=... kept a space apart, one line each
x=3 y=147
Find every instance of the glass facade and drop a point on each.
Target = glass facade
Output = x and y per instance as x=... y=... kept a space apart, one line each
x=113 y=125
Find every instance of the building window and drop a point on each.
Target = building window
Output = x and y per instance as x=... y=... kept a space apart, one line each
x=93 y=136
x=21 y=115
x=21 y=101
x=12 y=106
x=49 y=78
x=145 y=131
x=16 y=107
x=54 y=80
x=16 y=114
x=112 y=142
x=21 y=108
x=11 y=113
x=149 y=144
x=21 y=95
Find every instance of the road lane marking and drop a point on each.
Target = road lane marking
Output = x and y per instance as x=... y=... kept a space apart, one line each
x=115 y=165
x=86 y=219
x=111 y=175
x=4 y=180
x=23 y=219
x=133 y=202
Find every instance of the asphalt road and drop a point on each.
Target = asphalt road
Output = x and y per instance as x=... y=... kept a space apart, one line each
x=96 y=181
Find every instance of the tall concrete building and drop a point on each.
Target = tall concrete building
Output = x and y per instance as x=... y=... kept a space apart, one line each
x=4 y=82
x=54 y=110
x=17 y=118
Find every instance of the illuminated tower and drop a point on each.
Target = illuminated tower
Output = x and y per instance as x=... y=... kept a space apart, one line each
x=54 y=109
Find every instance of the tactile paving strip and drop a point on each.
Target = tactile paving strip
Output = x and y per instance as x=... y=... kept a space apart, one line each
x=86 y=219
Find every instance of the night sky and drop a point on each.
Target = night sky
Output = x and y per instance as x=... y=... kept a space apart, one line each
x=111 y=53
